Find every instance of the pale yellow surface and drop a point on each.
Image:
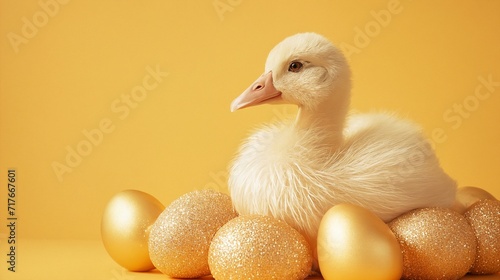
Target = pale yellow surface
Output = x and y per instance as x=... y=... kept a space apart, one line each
x=67 y=70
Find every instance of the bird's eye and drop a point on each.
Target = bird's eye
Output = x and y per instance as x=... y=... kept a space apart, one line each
x=295 y=66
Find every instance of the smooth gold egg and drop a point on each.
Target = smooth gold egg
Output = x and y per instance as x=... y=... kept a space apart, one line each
x=124 y=228
x=437 y=243
x=484 y=217
x=180 y=238
x=259 y=247
x=353 y=243
x=466 y=196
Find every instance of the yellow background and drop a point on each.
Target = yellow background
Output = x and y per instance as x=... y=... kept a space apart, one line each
x=181 y=136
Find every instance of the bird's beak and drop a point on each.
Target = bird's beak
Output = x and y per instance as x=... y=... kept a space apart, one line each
x=261 y=91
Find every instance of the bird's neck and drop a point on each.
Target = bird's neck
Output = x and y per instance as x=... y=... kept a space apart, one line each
x=328 y=118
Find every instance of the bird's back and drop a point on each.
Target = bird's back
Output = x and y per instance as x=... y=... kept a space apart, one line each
x=384 y=164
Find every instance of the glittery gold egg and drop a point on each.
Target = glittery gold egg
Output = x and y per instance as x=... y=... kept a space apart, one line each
x=354 y=243
x=437 y=243
x=484 y=217
x=180 y=238
x=124 y=228
x=259 y=247
x=466 y=196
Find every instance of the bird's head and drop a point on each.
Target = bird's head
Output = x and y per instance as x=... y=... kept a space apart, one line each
x=304 y=69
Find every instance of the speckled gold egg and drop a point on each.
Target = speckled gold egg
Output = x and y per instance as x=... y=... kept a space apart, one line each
x=125 y=228
x=466 y=196
x=259 y=247
x=484 y=217
x=353 y=243
x=437 y=243
x=180 y=238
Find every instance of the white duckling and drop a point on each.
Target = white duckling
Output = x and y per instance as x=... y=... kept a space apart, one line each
x=295 y=171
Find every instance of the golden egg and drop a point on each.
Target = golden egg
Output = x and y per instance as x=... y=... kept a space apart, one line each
x=437 y=243
x=124 y=228
x=466 y=196
x=180 y=238
x=484 y=217
x=259 y=247
x=353 y=243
